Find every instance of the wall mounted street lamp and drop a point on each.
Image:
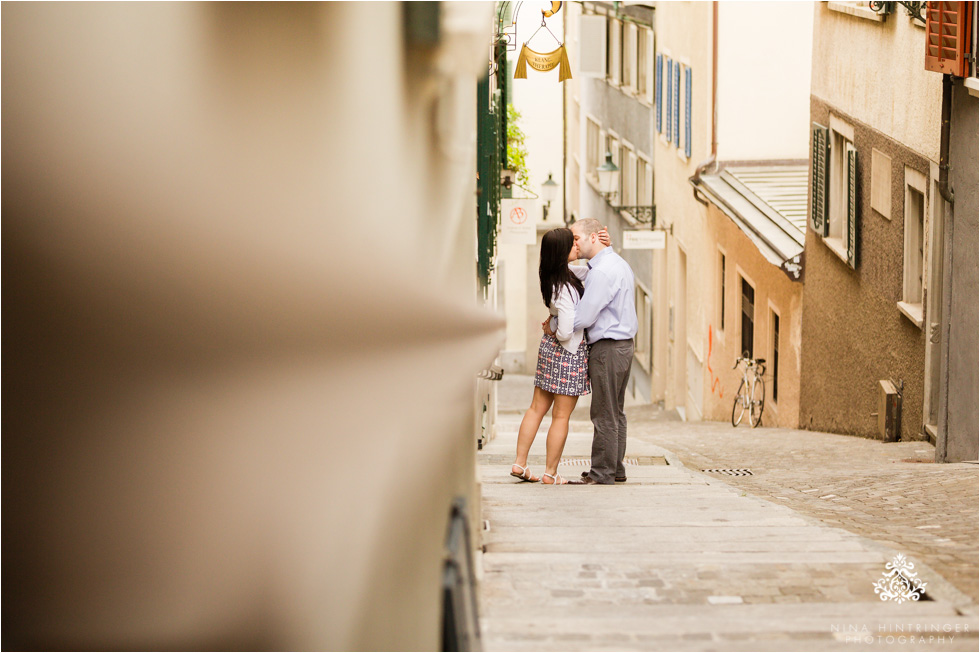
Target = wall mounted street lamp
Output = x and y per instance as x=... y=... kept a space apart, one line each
x=549 y=191
x=608 y=174
x=885 y=7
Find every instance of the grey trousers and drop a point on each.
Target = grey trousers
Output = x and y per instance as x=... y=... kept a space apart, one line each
x=609 y=372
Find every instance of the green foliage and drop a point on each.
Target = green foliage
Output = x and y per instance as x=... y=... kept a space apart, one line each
x=516 y=149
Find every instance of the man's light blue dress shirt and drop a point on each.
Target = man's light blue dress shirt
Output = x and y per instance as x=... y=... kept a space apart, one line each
x=608 y=308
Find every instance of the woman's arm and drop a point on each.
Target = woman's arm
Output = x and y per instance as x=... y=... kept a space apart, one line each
x=579 y=270
x=566 y=315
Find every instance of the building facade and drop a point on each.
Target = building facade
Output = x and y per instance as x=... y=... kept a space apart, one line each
x=871 y=247
x=244 y=320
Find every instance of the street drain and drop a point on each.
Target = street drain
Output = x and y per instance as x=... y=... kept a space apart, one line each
x=729 y=472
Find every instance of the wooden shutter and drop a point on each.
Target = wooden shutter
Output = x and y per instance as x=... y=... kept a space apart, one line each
x=658 y=92
x=852 y=207
x=677 y=104
x=670 y=98
x=687 y=112
x=820 y=178
x=948 y=37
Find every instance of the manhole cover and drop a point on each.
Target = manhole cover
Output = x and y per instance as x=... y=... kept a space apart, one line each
x=729 y=472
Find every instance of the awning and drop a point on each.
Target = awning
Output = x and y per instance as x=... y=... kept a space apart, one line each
x=769 y=205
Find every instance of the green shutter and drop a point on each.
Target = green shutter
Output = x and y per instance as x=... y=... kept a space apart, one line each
x=851 y=205
x=820 y=179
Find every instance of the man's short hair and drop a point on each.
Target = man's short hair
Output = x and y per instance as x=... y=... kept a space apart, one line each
x=589 y=226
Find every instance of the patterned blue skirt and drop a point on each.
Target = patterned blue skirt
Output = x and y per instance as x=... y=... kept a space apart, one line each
x=561 y=372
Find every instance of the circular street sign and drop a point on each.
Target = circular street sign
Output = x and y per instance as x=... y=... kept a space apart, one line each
x=518 y=215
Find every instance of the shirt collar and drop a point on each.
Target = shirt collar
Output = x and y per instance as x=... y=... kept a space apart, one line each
x=598 y=257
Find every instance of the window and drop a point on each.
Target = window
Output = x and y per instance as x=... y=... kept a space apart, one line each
x=592 y=147
x=658 y=93
x=833 y=204
x=629 y=174
x=668 y=97
x=643 y=196
x=774 y=353
x=676 y=105
x=915 y=213
x=615 y=51
x=721 y=292
x=644 y=64
x=624 y=177
x=687 y=112
x=748 y=319
x=644 y=333
x=629 y=56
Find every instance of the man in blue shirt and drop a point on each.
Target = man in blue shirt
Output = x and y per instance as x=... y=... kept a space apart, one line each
x=608 y=312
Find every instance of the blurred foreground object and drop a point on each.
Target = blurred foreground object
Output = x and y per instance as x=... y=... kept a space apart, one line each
x=240 y=399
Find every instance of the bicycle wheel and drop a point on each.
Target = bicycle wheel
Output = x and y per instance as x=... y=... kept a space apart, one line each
x=758 y=401
x=738 y=405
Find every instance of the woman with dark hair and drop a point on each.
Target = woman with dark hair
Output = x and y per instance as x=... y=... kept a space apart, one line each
x=563 y=359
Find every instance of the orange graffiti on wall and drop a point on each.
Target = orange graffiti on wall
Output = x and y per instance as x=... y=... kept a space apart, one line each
x=715 y=381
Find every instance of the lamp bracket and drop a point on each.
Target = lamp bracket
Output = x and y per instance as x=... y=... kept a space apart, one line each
x=885 y=7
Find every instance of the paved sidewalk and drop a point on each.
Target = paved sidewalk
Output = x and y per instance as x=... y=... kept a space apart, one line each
x=926 y=510
x=680 y=560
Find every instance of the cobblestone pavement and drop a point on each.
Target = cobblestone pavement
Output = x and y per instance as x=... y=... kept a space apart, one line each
x=677 y=559
x=926 y=510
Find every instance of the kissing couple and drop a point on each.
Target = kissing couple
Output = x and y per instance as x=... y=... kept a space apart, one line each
x=587 y=346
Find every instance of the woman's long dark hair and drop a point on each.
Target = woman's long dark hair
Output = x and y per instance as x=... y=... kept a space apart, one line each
x=553 y=270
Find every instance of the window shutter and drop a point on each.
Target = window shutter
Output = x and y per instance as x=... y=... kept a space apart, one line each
x=851 y=206
x=687 y=113
x=819 y=179
x=947 y=37
x=677 y=104
x=657 y=90
x=670 y=97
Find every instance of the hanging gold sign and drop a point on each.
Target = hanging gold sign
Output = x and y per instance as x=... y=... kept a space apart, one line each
x=543 y=62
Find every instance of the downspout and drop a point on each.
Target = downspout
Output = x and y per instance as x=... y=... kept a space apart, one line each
x=713 y=159
x=944 y=188
x=564 y=134
x=942 y=437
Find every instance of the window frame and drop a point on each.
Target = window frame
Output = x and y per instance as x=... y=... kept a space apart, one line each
x=721 y=273
x=744 y=278
x=913 y=248
x=592 y=159
x=772 y=360
x=644 y=345
x=615 y=72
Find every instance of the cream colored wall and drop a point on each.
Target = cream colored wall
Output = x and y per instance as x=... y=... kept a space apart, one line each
x=873 y=72
x=683 y=32
x=240 y=275
x=764 y=51
x=539 y=100
x=773 y=291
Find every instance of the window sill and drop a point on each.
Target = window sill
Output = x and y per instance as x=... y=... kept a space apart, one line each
x=852 y=10
x=912 y=311
x=683 y=157
x=972 y=85
x=836 y=245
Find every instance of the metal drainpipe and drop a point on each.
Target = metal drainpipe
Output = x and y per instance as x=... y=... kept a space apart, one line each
x=944 y=188
x=947 y=252
x=711 y=160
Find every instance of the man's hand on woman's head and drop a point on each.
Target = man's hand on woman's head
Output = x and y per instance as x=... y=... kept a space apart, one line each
x=604 y=237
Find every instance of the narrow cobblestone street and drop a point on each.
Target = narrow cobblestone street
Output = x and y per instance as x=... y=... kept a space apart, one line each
x=677 y=559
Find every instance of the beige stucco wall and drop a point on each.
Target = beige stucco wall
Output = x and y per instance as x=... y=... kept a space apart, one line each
x=683 y=32
x=873 y=71
x=774 y=291
x=764 y=51
x=240 y=283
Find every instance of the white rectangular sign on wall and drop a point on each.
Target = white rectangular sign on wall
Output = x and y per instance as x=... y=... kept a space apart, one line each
x=645 y=239
x=592 y=46
x=517 y=224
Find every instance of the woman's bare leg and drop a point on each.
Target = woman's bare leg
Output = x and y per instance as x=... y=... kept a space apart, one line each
x=564 y=405
x=541 y=401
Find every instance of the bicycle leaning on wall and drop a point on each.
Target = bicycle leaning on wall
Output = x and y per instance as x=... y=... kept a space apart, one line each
x=751 y=395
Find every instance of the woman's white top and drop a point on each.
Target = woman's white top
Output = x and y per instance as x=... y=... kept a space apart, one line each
x=563 y=308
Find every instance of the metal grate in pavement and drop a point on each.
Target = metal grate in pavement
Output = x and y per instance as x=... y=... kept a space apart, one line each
x=730 y=472
x=506 y=459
